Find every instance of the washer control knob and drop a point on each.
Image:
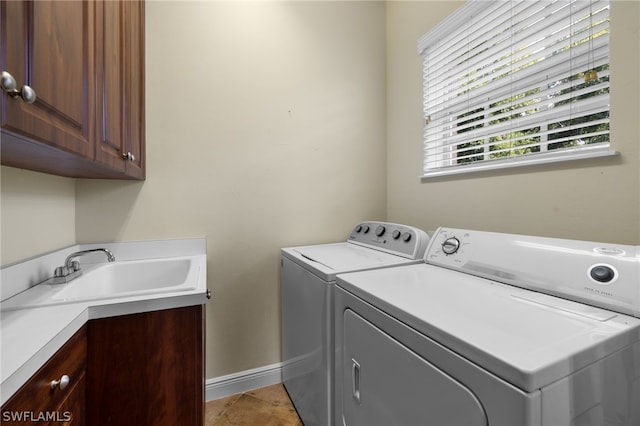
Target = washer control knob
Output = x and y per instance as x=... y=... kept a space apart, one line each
x=365 y=229
x=358 y=228
x=380 y=230
x=396 y=234
x=406 y=237
x=602 y=273
x=450 y=245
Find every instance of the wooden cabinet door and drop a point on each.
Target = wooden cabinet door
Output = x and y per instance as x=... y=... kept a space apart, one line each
x=135 y=92
x=111 y=83
x=85 y=61
x=147 y=368
x=48 y=45
x=37 y=399
x=120 y=76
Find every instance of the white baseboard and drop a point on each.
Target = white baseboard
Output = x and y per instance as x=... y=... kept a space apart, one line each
x=220 y=387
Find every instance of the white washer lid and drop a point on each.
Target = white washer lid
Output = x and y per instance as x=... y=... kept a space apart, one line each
x=328 y=260
x=528 y=339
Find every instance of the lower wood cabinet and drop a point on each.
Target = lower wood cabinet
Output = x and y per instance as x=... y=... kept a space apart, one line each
x=147 y=369
x=55 y=394
x=139 y=369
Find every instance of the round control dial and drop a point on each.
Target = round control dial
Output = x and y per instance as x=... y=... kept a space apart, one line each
x=602 y=273
x=396 y=234
x=406 y=237
x=450 y=245
x=380 y=230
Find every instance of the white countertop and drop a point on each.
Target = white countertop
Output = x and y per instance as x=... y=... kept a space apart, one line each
x=30 y=336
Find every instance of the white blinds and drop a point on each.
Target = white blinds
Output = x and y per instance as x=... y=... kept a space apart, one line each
x=513 y=82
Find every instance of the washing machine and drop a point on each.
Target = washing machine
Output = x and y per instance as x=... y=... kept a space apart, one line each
x=492 y=330
x=308 y=276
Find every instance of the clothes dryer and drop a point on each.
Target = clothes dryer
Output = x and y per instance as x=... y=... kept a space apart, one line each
x=493 y=330
x=308 y=276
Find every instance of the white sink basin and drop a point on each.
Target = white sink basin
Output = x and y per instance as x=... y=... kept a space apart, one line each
x=128 y=278
x=115 y=281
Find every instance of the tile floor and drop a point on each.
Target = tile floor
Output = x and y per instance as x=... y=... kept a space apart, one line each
x=268 y=406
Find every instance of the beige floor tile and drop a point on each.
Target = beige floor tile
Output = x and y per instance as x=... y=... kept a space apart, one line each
x=275 y=394
x=214 y=409
x=248 y=410
x=268 y=406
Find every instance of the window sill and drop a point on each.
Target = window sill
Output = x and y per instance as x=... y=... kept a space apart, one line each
x=577 y=154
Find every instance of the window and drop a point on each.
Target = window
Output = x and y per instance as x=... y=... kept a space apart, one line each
x=509 y=83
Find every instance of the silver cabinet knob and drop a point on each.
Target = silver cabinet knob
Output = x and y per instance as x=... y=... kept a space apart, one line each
x=128 y=156
x=62 y=383
x=9 y=85
x=7 y=82
x=27 y=94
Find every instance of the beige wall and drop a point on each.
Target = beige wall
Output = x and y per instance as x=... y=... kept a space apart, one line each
x=259 y=117
x=38 y=214
x=592 y=200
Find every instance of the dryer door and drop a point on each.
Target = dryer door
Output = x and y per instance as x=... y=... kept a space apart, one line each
x=385 y=383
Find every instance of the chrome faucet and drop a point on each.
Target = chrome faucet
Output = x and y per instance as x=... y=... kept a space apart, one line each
x=71 y=268
x=68 y=262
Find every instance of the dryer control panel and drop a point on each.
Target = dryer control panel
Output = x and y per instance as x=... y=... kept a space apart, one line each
x=402 y=240
x=599 y=274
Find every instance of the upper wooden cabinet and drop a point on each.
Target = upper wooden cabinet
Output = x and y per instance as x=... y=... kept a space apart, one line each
x=120 y=78
x=49 y=47
x=85 y=62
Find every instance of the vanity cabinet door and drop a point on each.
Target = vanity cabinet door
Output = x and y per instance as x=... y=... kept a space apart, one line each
x=39 y=399
x=147 y=368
